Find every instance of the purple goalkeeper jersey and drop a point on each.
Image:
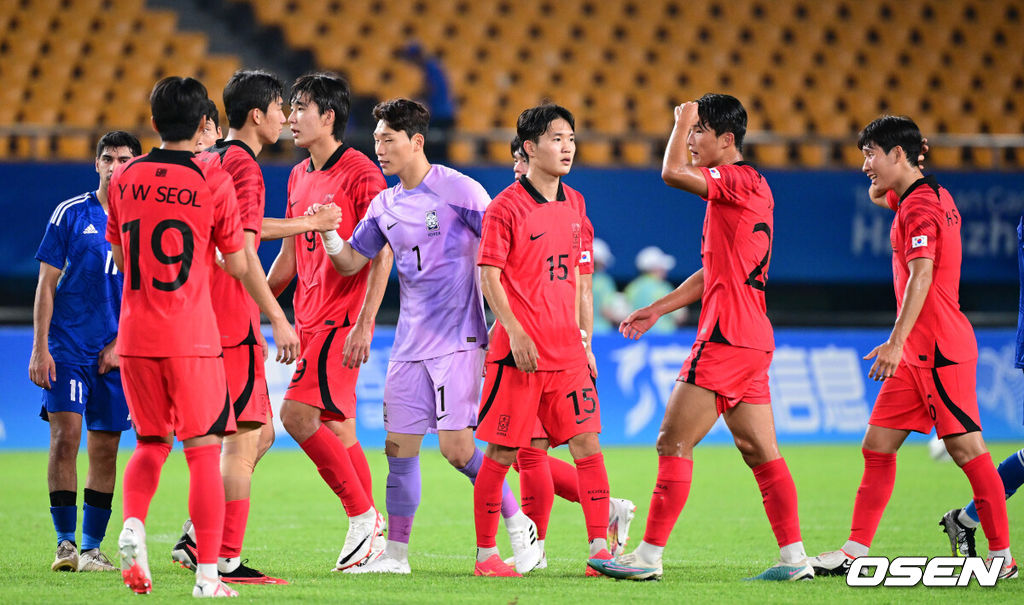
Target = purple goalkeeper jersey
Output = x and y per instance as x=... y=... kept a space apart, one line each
x=434 y=231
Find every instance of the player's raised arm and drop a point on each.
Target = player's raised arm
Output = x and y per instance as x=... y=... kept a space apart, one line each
x=676 y=168
x=524 y=350
x=325 y=217
x=641 y=320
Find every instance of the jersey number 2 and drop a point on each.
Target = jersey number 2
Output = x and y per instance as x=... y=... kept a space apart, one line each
x=752 y=281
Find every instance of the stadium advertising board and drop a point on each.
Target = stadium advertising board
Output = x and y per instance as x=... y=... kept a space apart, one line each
x=819 y=384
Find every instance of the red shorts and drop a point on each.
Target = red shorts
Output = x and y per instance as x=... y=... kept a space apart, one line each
x=916 y=399
x=247 y=382
x=186 y=396
x=321 y=379
x=565 y=402
x=735 y=374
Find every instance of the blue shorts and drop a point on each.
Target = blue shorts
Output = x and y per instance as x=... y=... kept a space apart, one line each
x=83 y=390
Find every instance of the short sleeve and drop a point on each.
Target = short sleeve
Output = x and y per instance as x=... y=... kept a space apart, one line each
x=586 y=260
x=367 y=238
x=729 y=183
x=53 y=249
x=473 y=202
x=921 y=225
x=113 y=201
x=892 y=199
x=248 y=182
x=227 y=230
x=367 y=185
x=496 y=237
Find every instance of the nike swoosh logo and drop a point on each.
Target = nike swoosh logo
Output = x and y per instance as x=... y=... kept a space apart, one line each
x=390 y=226
x=357 y=549
x=440 y=418
x=533 y=237
x=582 y=421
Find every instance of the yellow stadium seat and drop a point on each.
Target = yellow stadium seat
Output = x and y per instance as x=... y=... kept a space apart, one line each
x=771 y=154
x=595 y=153
x=462 y=152
x=74 y=147
x=637 y=153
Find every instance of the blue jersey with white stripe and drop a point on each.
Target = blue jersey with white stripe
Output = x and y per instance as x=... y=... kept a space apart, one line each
x=88 y=299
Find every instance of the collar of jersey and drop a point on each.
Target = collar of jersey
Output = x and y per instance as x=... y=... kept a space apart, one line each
x=925 y=180
x=222 y=144
x=331 y=161
x=537 y=197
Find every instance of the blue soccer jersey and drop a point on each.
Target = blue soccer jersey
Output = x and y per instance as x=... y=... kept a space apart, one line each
x=88 y=299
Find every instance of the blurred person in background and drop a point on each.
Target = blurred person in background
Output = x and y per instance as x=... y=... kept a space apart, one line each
x=437 y=96
x=211 y=132
x=77 y=306
x=651 y=284
x=610 y=307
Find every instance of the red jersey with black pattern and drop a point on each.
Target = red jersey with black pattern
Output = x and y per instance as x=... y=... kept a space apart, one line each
x=168 y=212
x=324 y=298
x=537 y=244
x=927 y=225
x=229 y=295
x=736 y=251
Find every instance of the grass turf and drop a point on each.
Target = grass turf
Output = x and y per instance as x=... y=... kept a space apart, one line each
x=297 y=527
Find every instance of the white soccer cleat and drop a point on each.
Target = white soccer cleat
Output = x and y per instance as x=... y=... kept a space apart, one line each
x=94 y=560
x=628 y=567
x=359 y=539
x=66 y=558
x=831 y=563
x=542 y=565
x=526 y=550
x=211 y=588
x=382 y=564
x=620 y=515
x=131 y=546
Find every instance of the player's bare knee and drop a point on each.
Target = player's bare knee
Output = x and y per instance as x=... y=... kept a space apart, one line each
x=501 y=454
x=584 y=445
x=456 y=456
x=669 y=444
x=966 y=447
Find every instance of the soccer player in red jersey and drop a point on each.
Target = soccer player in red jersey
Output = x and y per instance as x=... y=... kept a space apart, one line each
x=252 y=101
x=542 y=477
x=929 y=363
x=726 y=373
x=168 y=213
x=320 y=404
x=529 y=256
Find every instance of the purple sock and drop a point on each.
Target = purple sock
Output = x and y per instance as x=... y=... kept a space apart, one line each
x=402 y=496
x=509 y=505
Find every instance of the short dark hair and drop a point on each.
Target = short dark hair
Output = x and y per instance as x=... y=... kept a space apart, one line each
x=534 y=121
x=722 y=114
x=118 y=138
x=250 y=89
x=516 y=146
x=178 y=106
x=212 y=113
x=404 y=114
x=893 y=131
x=330 y=92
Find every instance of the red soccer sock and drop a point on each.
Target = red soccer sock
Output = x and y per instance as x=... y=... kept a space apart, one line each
x=671 y=489
x=535 y=489
x=487 y=501
x=332 y=461
x=566 y=481
x=141 y=477
x=778 y=492
x=236 y=514
x=593 y=492
x=206 y=500
x=362 y=467
x=990 y=500
x=873 y=495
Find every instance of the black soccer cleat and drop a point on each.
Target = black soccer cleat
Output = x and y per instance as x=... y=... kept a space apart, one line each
x=243 y=574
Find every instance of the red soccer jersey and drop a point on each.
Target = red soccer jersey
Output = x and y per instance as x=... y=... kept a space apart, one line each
x=927 y=225
x=229 y=295
x=323 y=297
x=587 y=250
x=168 y=212
x=537 y=243
x=735 y=252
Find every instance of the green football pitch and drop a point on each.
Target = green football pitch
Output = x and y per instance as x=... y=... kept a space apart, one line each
x=297 y=527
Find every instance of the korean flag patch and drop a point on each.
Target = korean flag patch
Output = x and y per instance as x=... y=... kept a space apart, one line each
x=714 y=173
x=585 y=256
x=919 y=241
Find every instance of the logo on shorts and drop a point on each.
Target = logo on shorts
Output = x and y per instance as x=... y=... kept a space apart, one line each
x=432 y=224
x=503 y=421
x=919 y=241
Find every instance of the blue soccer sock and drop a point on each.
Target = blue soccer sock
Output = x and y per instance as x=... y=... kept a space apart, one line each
x=1011 y=471
x=64 y=512
x=95 y=515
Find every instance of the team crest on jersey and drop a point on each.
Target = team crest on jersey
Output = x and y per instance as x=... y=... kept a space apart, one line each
x=328 y=199
x=432 y=223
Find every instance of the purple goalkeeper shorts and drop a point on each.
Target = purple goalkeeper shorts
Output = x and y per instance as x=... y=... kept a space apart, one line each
x=439 y=394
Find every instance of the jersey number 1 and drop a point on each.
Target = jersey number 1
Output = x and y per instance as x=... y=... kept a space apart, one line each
x=133 y=229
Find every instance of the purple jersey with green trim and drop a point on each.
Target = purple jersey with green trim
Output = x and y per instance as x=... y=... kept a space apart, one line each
x=434 y=231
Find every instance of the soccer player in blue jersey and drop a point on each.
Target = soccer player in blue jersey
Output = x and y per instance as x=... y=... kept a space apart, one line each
x=75 y=316
x=431 y=220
